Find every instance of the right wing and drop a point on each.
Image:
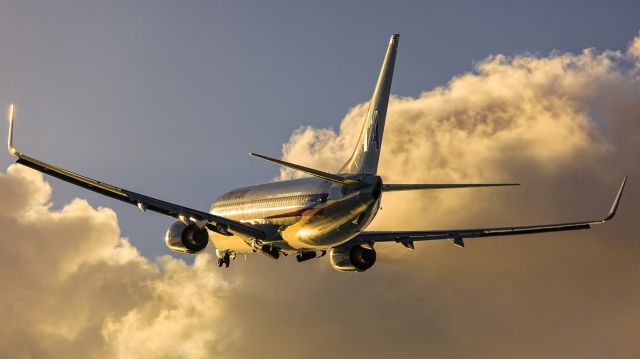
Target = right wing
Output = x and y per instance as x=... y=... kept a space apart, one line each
x=457 y=235
x=213 y=222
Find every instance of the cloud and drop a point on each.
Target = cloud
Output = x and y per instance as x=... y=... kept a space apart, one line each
x=565 y=125
x=536 y=120
x=71 y=284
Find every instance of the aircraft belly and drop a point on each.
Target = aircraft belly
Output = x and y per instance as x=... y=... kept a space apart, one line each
x=229 y=243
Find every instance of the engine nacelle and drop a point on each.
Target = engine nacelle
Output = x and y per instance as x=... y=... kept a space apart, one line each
x=189 y=239
x=352 y=259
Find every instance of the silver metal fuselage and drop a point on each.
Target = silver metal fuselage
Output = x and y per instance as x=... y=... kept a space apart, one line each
x=308 y=213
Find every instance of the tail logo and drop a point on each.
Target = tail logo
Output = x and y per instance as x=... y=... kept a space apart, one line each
x=373 y=134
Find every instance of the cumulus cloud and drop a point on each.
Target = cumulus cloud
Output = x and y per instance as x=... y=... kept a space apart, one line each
x=72 y=284
x=565 y=125
x=536 y=120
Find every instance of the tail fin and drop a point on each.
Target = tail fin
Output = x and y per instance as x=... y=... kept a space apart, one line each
x=364 y=159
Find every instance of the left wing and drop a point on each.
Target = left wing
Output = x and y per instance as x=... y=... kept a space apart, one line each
x=457 y=235
x=213 y=222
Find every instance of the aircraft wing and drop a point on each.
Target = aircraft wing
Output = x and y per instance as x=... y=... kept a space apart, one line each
x=457 y=235
x=213 y=222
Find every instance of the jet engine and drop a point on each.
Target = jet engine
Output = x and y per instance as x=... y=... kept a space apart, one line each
x=186 y=238
x=352 y=259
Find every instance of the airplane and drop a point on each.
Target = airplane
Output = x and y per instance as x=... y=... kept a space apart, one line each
x=308 y=217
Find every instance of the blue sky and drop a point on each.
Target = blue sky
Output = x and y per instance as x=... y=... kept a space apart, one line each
x=167 y=98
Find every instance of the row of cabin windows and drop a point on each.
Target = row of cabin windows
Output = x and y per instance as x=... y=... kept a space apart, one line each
x=267 y=202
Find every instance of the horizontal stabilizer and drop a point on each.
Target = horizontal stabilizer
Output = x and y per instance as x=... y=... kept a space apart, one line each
x=410 y=187
x=317 y=173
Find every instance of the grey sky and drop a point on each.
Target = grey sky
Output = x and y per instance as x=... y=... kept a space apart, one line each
x=167 y=98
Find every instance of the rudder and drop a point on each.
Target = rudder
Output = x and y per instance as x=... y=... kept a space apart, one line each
x=366 y=155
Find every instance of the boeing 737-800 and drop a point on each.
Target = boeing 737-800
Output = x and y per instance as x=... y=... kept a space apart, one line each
x=308 y=217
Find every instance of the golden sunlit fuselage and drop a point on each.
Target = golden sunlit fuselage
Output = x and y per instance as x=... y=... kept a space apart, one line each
x=308 y=213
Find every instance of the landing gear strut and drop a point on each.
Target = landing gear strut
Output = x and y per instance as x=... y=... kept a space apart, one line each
x=226 y=260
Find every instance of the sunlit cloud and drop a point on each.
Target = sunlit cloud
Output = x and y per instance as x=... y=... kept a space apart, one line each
x=71 y=283
x=526 y=118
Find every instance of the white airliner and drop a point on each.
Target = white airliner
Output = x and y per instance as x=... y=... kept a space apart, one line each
x=309 y=216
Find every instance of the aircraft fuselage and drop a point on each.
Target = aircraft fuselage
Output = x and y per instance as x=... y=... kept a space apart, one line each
x=309 y=213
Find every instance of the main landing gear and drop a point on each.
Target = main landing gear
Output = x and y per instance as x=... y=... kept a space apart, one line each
x=226 y=260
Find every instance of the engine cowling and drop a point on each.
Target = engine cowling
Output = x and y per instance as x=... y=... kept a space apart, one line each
x=352 y=259
x=183 y=238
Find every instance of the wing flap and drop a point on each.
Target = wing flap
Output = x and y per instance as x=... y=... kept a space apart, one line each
x=401 y=236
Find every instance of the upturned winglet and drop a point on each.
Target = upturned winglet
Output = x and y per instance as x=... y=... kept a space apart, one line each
x=616 y=202
x=12 y=113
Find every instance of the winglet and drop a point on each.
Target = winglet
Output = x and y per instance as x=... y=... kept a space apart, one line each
x=12 y=112
x=616 y=202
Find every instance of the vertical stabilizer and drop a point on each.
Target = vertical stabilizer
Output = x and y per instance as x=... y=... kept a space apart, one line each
x=364 y=159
